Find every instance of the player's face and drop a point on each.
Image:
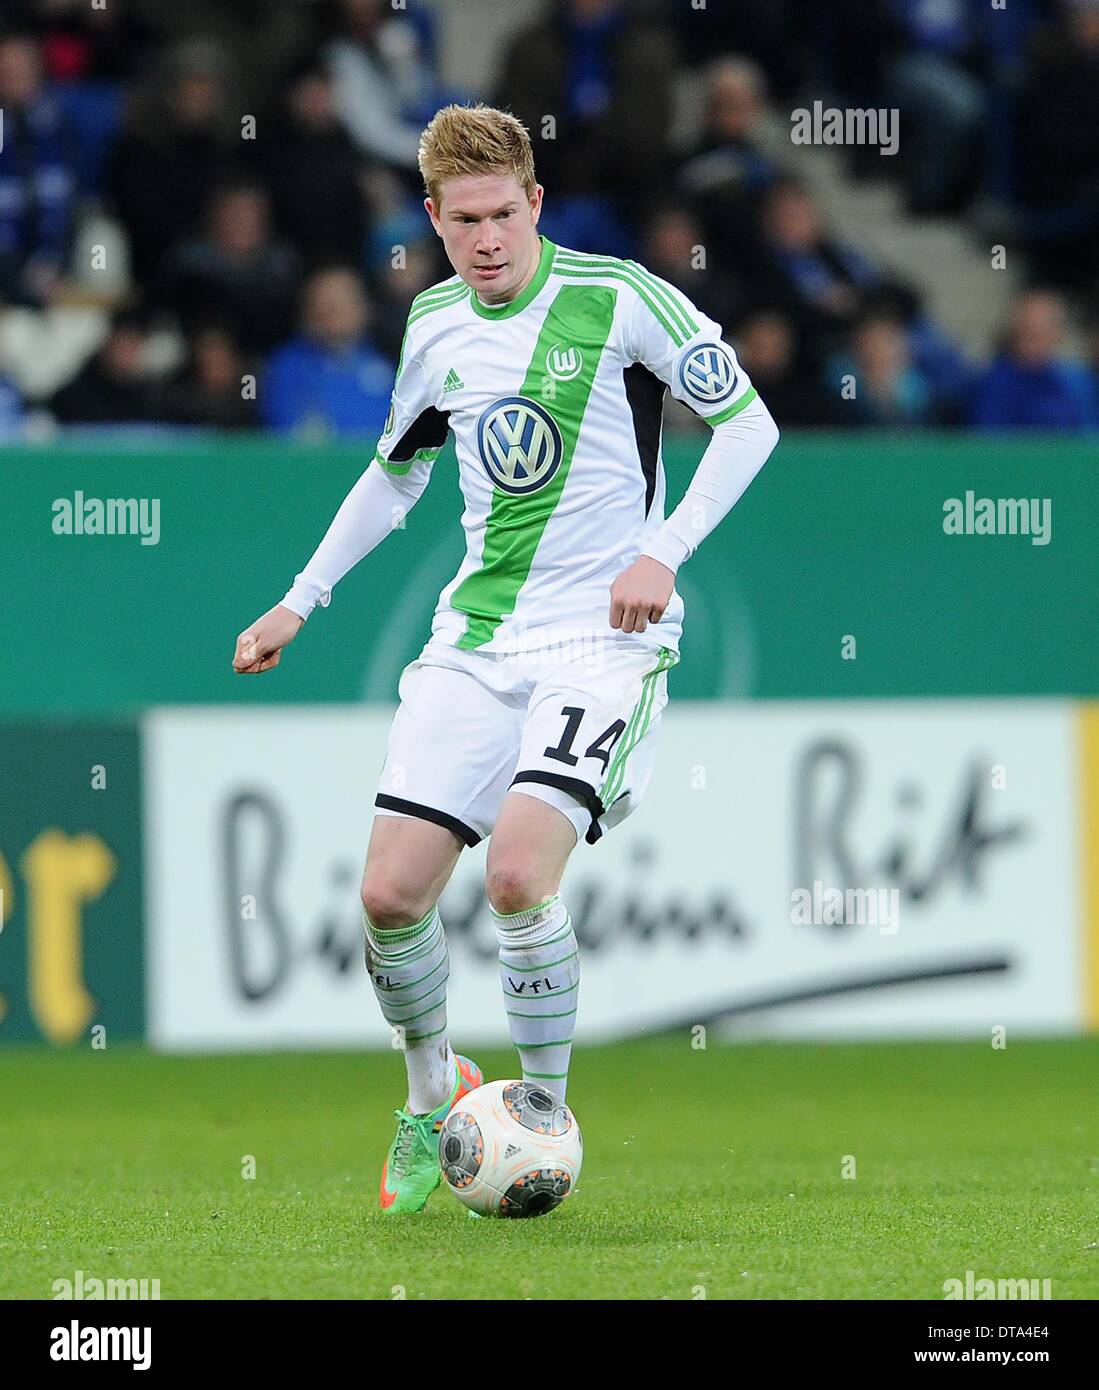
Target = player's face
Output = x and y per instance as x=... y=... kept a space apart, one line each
x=488 y=226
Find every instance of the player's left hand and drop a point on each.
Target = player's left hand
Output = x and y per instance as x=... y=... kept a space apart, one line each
x=640 y=594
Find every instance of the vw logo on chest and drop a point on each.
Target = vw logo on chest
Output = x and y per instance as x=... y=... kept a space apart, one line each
x=520 y=444
x=708 y=374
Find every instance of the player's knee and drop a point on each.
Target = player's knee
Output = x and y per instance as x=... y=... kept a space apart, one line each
x=388 y=904
x=510 y=887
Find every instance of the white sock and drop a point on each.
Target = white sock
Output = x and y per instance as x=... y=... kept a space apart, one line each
x=540 y=977
x=409 y=968
x=432 y=1072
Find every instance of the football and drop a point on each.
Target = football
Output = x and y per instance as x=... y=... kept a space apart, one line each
x=511 y=1148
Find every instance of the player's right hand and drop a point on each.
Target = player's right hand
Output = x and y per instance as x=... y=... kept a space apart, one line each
x=259 y=647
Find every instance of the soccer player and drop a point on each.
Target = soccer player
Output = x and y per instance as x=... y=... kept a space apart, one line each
x=532 y=712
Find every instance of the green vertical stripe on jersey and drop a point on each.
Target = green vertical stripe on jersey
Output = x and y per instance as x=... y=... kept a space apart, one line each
x=636 y=728
x=580 y=316
x=566 y=271
x=653 y=288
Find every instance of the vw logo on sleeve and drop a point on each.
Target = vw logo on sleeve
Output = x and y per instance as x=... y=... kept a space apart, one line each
x=520 y=444
x=708 y=374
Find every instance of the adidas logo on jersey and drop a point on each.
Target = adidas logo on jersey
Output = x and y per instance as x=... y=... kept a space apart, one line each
x=453 y=382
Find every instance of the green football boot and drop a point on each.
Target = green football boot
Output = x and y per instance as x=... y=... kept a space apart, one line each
x=411 y=1170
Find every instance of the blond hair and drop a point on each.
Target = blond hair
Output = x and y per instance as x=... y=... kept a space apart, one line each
x=474 y=140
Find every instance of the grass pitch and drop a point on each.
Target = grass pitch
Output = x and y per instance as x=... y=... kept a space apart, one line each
x=716 y=1170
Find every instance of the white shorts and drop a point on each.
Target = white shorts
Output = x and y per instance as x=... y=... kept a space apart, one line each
x=576 y=729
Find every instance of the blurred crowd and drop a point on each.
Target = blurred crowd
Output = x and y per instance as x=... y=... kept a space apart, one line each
x=230 y=193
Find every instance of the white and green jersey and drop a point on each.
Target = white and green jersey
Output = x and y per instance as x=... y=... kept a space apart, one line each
x=555 y=402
